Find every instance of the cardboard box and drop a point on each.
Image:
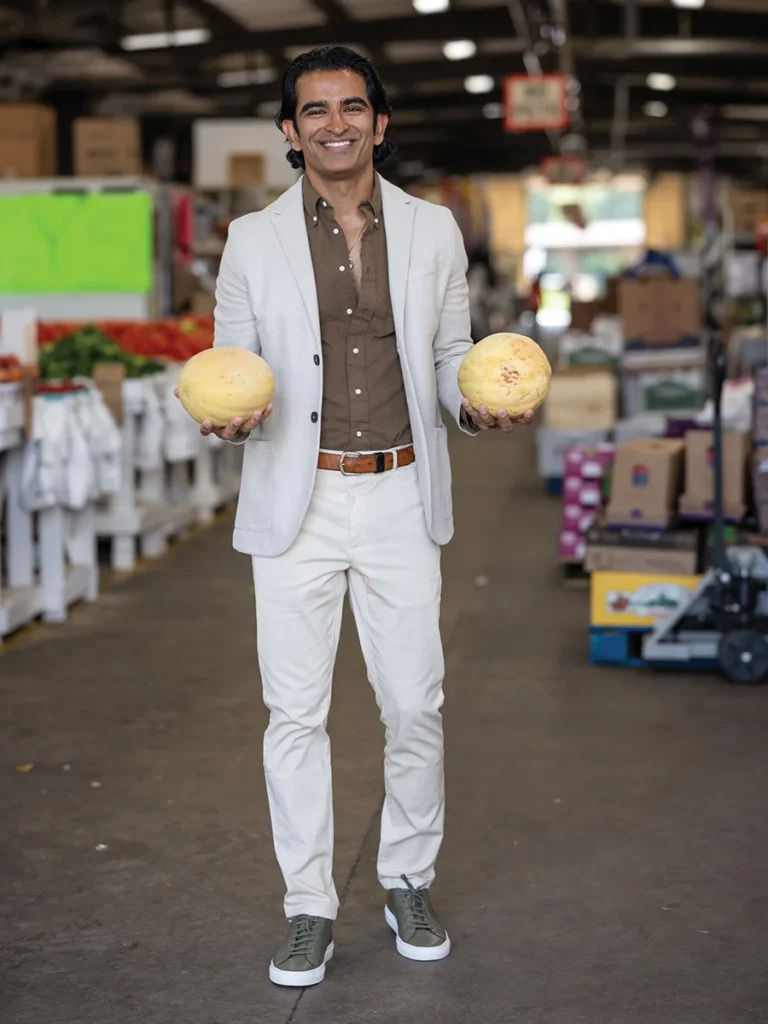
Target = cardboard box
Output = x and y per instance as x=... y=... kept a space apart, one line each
x=652 y=551
x=246 y=170
x=638 y=599
x=699 y=473
x=27 y=140
x=660 y=310
x=747 y=209
x=103 y=146
x=645 y=483
x=668 y=390
x=109 y=379
x=582 y=400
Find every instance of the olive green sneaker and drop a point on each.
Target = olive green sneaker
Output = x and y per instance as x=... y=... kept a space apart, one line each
x=301 y=958
x=410 y=915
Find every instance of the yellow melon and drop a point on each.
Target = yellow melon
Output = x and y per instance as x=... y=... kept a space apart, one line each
x=219 y=384
x=505 y=371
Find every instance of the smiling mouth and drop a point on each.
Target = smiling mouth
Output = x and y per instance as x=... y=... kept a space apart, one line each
x=337 y=145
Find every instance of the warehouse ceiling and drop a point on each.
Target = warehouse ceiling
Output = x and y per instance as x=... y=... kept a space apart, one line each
x=707 y=63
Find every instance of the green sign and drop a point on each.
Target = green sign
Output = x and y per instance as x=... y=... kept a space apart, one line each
x=76 y=243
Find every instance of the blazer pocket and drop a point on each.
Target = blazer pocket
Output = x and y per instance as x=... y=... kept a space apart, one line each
x=444 y=470
x=420 y=270
x=257 y=488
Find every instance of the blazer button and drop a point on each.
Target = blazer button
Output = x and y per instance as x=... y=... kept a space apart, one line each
x=317 y=360
x=314 y=417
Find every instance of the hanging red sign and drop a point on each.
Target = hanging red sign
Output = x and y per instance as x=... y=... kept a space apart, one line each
x=535 y=103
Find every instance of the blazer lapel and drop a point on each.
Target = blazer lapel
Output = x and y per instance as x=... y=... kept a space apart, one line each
x=399 y=213
x=288 y=220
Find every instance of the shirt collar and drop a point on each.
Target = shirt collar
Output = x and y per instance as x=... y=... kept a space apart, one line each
x=312 y=199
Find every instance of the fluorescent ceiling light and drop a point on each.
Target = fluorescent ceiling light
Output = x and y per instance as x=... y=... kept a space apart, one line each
x=661 y=82
x=431 y=6
x=163 y=40
x=656 y=108
x=479 y=83
x=255 y=76
x=692 y=5
x=493 y=111
x=459 y=49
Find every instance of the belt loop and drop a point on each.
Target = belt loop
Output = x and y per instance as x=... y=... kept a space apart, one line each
x=394 y=459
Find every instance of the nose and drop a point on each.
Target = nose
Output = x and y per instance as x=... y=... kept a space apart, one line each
x=337 y=124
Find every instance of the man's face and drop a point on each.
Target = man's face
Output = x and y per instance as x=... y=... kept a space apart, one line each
x=336 y=130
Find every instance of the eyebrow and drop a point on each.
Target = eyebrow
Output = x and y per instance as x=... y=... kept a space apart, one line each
x=323 y=104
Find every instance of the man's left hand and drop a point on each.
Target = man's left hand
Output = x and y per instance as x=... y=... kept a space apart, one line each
x=501 y=421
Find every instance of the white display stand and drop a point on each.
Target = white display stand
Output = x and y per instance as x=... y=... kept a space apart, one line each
x=149 y=508
x=157 y=504
x=50 y=556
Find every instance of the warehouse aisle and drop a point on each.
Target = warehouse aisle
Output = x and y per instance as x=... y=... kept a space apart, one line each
x=605 y=853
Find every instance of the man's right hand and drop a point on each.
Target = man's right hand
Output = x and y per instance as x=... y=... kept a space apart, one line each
x=237 y=427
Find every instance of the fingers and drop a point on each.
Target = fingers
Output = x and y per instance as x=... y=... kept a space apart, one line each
x=505 y=421
x=176 y=392
x=232 y=429
x=255 y=420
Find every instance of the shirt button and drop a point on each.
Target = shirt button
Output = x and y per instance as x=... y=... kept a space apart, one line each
x=349 y=313
x=335 y=231
x=355 y=350
x=342 y=269
x=359 y=433
x=317 y=360
x=375 y=220
x=313 y=417
x=324 y=203
x=315 y=219
x=358 y=391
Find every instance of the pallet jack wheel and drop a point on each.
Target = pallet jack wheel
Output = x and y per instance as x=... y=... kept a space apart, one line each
x=743 y=656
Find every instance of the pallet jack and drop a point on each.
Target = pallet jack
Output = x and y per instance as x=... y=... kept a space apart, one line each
x=724 y=623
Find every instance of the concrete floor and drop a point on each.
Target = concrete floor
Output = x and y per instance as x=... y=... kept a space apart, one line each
x=605 y=858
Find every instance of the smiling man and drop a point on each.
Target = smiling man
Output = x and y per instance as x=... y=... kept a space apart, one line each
x=356 y=295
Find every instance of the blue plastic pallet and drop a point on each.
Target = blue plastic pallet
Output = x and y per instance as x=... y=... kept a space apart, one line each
x=616 y=645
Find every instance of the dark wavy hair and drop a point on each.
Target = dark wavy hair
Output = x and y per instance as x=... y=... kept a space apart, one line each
x=334 y=58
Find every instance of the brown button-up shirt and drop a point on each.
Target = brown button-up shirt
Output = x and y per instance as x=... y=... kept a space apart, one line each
x=364 y=405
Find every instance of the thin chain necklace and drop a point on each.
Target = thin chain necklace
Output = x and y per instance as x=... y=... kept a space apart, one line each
x=352 y=247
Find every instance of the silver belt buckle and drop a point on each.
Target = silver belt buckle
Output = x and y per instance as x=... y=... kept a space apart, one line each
x=351 y=455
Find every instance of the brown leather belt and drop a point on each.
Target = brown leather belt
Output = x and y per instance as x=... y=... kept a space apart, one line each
x=353 y=462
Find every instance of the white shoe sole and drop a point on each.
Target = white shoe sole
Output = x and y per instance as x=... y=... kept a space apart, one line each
x=421 y=953
x=300 y=979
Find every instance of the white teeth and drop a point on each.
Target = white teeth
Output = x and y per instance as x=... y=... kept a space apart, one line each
x=337 y=145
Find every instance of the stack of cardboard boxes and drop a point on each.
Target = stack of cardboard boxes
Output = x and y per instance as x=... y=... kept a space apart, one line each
x=101 y=146
x=106 y=146
x=27 y=141
x=663 y=365
x=585 y=472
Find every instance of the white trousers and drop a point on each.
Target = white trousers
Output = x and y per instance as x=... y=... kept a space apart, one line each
x=369 y=532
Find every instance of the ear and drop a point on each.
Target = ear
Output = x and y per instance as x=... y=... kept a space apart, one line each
x=290 y=132
x=380 y=128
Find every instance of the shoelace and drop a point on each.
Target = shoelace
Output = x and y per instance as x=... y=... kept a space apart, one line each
x=304 y=935
x=417 y=906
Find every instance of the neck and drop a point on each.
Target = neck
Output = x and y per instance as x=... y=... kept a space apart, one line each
x=344 y=195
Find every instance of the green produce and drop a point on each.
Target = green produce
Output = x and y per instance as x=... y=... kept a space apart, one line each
x=76 y=354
